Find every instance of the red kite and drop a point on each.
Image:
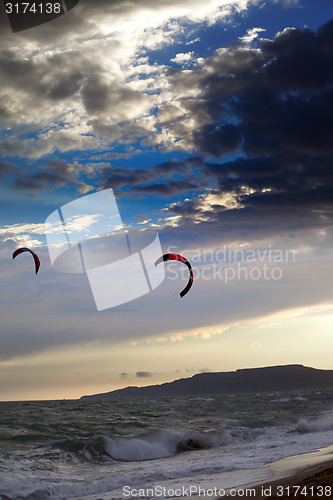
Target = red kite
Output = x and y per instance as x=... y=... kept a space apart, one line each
x=176 y=256
x=24 y=249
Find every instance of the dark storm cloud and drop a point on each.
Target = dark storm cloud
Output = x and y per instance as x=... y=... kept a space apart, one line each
x=7 y=168
x=117 y=178
x=276 y=173
x=218 y=141
x=279 y=96
x=301 y=59
x=55 y=174
x=173 y=187
x=219 y=224
x=57 y=77
x=143 y=374
x=273 y=106
x=144 y=180
x=99 y=96
x=86 y=80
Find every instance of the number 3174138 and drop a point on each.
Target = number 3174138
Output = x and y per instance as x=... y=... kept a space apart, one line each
x=33 y=8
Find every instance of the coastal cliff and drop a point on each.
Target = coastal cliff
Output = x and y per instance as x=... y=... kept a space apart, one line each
x=272 y=378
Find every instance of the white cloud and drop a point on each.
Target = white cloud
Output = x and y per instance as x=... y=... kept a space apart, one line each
x=183 y=57
x=24 y=234
x=251 y=35
x=18 y=229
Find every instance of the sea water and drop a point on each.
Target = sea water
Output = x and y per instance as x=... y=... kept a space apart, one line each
x=72 y=449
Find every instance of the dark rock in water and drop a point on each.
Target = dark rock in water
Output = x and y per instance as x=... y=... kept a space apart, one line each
x=190 y=444
x=271 y=378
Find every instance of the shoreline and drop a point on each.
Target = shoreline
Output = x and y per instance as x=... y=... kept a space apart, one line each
x=297 y=476
x=305 y=481
x=309 y=471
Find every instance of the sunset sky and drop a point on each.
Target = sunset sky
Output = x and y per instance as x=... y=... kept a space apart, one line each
x=213 y=123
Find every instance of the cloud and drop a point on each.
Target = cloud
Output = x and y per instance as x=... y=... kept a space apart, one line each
x=257 y=119
x=32 y=235
x=173 y=187
x=268 y=104
x=251 y=35
x=270 y=107
x=9 y=169
x=87 y=78
x=144 y=180
x=39 y=313
x=183 y=57
x=272 y=100
x=218 y=140
x=143 y=374
x=54 y=174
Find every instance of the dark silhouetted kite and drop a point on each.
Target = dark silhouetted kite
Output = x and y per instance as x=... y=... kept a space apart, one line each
x=36 y=258
x=176 y=256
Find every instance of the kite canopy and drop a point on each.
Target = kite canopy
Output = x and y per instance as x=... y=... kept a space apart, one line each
x=176 y=256
x=36 y=258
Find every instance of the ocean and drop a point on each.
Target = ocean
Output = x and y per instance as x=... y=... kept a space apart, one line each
x=113 y=449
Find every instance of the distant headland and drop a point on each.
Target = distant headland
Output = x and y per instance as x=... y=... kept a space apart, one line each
x=270 y=378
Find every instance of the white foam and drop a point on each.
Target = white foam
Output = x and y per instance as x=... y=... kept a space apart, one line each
x=163 y=444
x=324 y=423
x=281 y=400
x=137 y=449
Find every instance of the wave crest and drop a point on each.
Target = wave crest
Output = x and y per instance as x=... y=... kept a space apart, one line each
x=150 y=446
x=322 y=424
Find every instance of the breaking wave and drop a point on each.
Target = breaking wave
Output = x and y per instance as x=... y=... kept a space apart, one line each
x=324 y=423
x=154 y=445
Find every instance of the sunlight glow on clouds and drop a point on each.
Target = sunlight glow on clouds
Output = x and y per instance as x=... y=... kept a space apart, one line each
x=207 y=332
x=79 y=94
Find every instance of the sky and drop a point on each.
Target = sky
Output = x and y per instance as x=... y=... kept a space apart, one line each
x=212 y=124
